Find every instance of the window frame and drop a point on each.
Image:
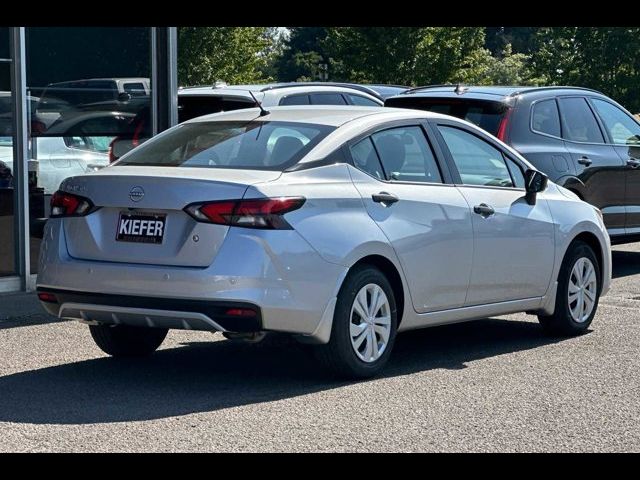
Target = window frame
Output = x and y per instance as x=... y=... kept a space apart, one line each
x=603 y=125
x=538 y=132
x=441 y=163
x=481 y=135
x=295 y=95
x=604 y=134
x=347 y=96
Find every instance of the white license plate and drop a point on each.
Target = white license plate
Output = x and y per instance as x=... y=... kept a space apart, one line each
x=141 y=228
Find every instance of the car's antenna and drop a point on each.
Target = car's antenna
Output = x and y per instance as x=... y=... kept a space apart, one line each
x=263 y=112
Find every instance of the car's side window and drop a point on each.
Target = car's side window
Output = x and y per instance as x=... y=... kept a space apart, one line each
x=622 y=129
x=366 y=159
x=545 y=118
x=295 y=100
x=327 y=99
x=517 y=175
x=477 y=161
x=406 y=155
x=578 y=122
x=361 y=101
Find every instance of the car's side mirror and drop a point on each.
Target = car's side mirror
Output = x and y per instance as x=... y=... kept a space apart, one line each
x=534 y=182
x=124 y=97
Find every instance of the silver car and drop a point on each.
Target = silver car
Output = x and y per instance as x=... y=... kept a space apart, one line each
x=339 y=225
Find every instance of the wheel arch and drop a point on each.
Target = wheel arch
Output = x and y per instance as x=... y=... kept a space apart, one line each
x=389 y=269
x=597 y=247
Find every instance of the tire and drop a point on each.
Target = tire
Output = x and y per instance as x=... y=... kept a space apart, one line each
x=340 y=355
x=563 y=322
x=127 y=341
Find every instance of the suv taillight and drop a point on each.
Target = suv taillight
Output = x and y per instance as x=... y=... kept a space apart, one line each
x=65 y=204
x=251 y=213
x=504 y=122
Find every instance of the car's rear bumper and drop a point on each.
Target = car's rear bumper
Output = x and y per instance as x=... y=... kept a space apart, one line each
x=277 y=273
x=153 y=312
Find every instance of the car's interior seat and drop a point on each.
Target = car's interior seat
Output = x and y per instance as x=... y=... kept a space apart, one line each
x=284 y=149
x=393 y=154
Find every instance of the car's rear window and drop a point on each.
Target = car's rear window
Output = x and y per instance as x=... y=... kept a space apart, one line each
x=483 y=113
x=254 y=145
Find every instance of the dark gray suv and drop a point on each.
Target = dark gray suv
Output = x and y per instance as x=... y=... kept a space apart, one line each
x=580 y=138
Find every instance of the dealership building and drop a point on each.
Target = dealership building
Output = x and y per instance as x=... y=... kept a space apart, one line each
x=71 y=100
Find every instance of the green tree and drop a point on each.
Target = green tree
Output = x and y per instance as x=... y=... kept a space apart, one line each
x=232 y=54
x=603 y=58
x=506 y=69
x=301 y=54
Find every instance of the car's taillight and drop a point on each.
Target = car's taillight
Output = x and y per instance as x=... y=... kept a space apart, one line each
x=502 y=126
x=251 y=213
x=65 y=204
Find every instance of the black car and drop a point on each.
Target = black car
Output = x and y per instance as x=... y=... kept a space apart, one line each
x=580 y=138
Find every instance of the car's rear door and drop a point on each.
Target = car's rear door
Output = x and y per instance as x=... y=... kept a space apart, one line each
x=410 y=196
x=513 y=252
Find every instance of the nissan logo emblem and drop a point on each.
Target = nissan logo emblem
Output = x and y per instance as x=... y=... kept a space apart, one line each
x=136 y=194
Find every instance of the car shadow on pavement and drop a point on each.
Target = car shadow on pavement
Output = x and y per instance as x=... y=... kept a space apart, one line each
x=208 y=376
x=624 y=263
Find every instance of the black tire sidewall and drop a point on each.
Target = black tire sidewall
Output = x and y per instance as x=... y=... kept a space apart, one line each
x=578 y=250
x=340 y=332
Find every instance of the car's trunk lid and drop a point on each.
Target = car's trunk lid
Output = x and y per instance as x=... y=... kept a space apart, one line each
x=153 y=194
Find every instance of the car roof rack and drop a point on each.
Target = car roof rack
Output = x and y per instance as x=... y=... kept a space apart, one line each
x=426 y=87
x=551 y=87
x=353 y=86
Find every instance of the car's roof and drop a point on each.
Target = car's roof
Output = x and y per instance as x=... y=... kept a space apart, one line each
x=281 y=88
x=489 y=90
x=102 y=79
x=331 y=115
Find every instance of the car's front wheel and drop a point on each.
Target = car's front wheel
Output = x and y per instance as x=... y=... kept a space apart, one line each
x=364 y=325
x=578 y=292
x=127 y=341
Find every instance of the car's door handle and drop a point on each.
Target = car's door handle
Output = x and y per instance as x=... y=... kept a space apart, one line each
x=633 y=163
x=484 y=210
x=584 y=160
x=385 y=198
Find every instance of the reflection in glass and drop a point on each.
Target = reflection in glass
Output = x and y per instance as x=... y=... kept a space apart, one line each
x=90 y=102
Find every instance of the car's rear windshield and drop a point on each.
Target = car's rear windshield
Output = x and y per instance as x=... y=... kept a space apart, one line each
x=254 y=145
x=484 y=113
x=192 y=106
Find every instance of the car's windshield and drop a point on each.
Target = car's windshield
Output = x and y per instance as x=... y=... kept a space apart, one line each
x=252 y=145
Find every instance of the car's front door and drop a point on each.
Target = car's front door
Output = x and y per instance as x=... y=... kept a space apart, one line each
x=597 y=164
x=424 y=216
x=624 y=133
x=513 y=253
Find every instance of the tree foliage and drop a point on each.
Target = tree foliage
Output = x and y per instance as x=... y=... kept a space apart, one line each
x=603 y=58
x=231 y=54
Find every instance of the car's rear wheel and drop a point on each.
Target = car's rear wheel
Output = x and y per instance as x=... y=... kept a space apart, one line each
x=127 y=341
x=578 y=292
x=364 y=325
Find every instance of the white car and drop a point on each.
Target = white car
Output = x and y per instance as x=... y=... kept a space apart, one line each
x=339 y=225
x=196 y=101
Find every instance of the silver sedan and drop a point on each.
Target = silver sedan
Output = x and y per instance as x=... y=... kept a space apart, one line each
x=338 y=225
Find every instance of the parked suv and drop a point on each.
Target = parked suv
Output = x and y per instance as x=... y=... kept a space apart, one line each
x=580 y=138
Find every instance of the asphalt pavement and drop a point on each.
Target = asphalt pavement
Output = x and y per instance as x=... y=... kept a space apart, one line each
x=492 y=385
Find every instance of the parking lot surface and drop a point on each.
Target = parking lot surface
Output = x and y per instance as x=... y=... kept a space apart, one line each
x=492 y=385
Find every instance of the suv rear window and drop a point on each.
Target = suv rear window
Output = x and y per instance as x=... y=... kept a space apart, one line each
x=192 y=106
x=255 y=145
x=483 y=113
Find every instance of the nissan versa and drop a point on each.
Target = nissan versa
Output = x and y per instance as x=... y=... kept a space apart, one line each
x=338 y=225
